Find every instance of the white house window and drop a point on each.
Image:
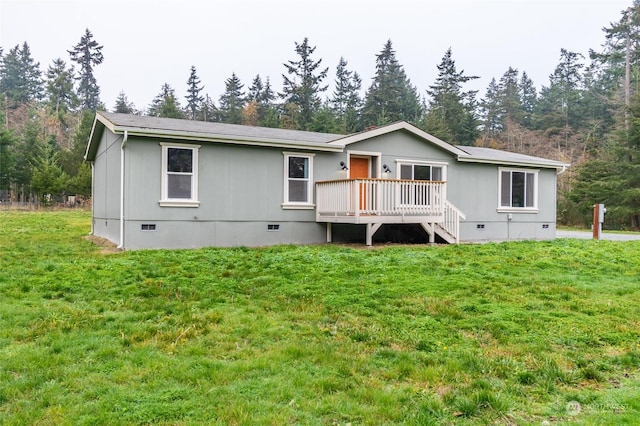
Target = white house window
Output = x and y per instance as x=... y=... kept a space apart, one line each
x=179 y=175
x=421 y=195
x=421 y=172
x=298 y=180
x=518 y=189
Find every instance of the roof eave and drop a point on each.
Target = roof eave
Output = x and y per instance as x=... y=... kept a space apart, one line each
x=401 y=125
x=235 y=140
x=557 y=166
x=96 y=133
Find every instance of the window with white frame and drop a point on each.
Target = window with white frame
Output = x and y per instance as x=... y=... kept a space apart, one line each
x=419 y=194
x=421 y=172
x=298 y=180
x=518 y=189
x=179 y=175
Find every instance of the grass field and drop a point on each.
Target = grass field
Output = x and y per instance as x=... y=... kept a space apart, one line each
x=512 y=333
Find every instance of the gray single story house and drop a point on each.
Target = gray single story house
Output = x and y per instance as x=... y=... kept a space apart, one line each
x=168 y=183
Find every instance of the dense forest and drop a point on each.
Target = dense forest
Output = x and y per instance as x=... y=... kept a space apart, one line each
x=587 y=114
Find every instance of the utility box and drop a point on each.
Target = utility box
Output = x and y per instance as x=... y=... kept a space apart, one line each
x=598 y=219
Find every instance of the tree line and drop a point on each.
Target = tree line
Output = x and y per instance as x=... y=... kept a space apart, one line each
x=588 y=114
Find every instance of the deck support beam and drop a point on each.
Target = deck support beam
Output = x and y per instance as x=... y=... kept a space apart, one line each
x=372 y=228
x=430 y=230
x=329 y=232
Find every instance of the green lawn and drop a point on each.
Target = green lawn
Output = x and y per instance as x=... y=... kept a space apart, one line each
x=512 y=333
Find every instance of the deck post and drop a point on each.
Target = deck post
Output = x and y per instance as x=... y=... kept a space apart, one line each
x=372 y=228
x=430 y=230
x=329 y=232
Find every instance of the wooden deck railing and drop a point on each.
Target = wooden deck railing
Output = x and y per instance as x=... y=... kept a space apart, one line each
x=382 y=197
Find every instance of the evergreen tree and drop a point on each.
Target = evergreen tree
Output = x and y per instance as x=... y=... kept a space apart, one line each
x=262 y=98
x=559 y=106
x=302 y=86
x=61 y=97
x=48 y=180
x=529 y=99
x=208 y=111
x=123 y=106
x=621 y=50
x=194 y=99
x=346 y=102
x=598 y=107
x=71 y=160
x=391 y=96
x=503 y=103
x=165 y=104
x=7 y=161
x=87 y=54
x=29 y=148
x=20 y=77
x=256 y=90
x=324 y=121
x=491 y=112
x=451 y=114
x=510 y=97
x=232 y=101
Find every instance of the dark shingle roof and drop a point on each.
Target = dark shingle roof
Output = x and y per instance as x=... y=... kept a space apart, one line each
x=156 y=127
x=486 y=155
x=221 y=129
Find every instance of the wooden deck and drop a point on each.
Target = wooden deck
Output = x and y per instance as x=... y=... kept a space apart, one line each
x=378 y=201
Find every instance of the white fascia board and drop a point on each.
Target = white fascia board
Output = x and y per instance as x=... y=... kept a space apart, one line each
x=402 y=125
x=235 y=140
x=550 y=165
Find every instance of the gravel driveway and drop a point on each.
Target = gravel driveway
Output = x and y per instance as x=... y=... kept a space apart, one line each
x=585 y=235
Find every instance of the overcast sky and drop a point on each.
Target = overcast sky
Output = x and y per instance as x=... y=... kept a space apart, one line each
x=150 y=42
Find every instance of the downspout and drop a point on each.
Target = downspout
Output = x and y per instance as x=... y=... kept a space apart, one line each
x=124 y=143
x=93 y=195
x=564 y=169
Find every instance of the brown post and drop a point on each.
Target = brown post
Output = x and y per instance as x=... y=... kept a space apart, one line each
x=594 y=223
x=598 y=218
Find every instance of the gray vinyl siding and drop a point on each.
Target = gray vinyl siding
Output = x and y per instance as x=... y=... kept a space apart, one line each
x=106 y=197
x=401 y=145
x=240 y=193
x=473 y=188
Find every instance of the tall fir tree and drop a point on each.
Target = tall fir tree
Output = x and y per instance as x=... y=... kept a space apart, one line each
x=7 y=161
x=452 y=111
x=559 y=106
x=529 y=98
x=302 y=85
x=261 y=98
x=20 y=77
x=165 y=104
x=87 y=54
x=346 y=102
x=194 y=98
x=232 y=101
x=620 y=54
x=61 y=96
x=391 y=96
x=208 y=111
x=123 y=106
x=490 y=111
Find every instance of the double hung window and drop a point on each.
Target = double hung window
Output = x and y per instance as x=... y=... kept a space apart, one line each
x=179 y=175
x=298 y=180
